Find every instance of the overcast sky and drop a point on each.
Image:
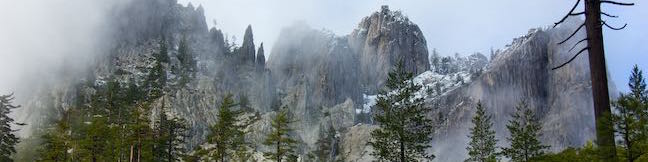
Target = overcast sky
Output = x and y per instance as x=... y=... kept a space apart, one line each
x=457 y=26
x=39 y=36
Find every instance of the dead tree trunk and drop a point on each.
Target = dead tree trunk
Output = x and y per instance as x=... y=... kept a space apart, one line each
x=602 y=113
x=600 y=94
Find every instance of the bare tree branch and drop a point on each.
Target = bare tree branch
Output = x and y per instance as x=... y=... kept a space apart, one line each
x=608 y=15
x=572 y=59
x=568 y=14
x=613 y=28
x=576 y=44
x=576 y=14
x=618 y=3
x=572 y=34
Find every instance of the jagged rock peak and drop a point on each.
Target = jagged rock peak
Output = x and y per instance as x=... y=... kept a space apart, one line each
x=200 y=9
x=217 y=39
x=247 y=48
x=384 y=8
x=190 y=6
x=248 y=33
x=515 y=43
x=260 y=59
x=384 y=38
x=395 y=15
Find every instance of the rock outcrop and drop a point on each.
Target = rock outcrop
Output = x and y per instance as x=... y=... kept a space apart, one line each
x=319 y=62
x=338 y=67
x=522 y=71
x=327 y=80
x=139 y=29
x=247 y=50
x=355 y=147
x=383 y=39
x=260 y=59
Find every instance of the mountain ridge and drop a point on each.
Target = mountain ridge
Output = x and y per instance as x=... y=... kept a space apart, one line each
x=315 y=73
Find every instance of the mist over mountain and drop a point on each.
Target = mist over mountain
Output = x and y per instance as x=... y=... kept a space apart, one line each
x=325 y=80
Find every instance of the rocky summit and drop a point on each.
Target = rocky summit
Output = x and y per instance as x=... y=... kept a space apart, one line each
x=326 y=80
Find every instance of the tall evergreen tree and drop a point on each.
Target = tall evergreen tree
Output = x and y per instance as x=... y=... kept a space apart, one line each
x=228 y=133
x=141 y=139
x=481 y=147
x=279 y=138
x=8 y=139
x=119 y=113
x=435 y=59
x=163 y=54
x=404 y=131
x=161 y=138
x=56 y=142
x=133 y=92
x=171 y=133
x=113 y=126
x=187 y=62
x=157 y=77
x=631 y=118
x=94 y=145
x=525 y=130
x=637 y=84
x=184 y=55
x=244 y=102
x=326 y=145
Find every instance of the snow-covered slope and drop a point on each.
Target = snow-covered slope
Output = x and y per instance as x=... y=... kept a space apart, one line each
x=435 y=84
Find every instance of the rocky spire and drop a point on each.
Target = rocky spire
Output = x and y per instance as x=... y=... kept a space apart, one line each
x=247 y=48
x=384 y=9
x=260 y=58
x=385 y=38
x=200 y=9
x=217 y=39
x=190 y=6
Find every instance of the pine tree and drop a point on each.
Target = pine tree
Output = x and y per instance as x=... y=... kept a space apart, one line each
x=279 y=139
x=56 y=142
x=133 y=92
x=404 y=131
x=113 y=126
x=141 y=140
x=8 y=139
x=631 y=120
x=481 y=147
x=637 y=85
x=228 y=133
x=120 y=112
x=588 y=153
x=161 y=137
x=525 y=130
x=96 y=139
x=184 y=55
x=187 y=62
x=326 y=145
x=244 y=102
x=435 y=60
x=157 y=76
x=163 y=55
x=171 y=134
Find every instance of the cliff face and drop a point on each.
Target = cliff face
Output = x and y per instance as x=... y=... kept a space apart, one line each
x=139 y=29
x=335 y=68
x=320 y=61
x=522 y=71
x=383 y=39
x=328 y=80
